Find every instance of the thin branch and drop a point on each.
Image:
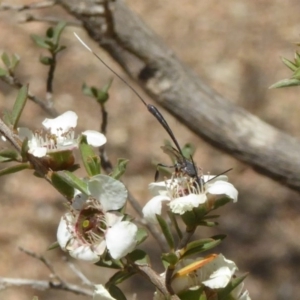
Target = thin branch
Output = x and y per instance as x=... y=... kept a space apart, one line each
x=14 y=82
x=10 y=136
x=43 y=285
x=58 y=282
x=105 y=162
x=78 y=273
x=35 y=5
x=46 y=19
x=44 y=261
x=157 y=280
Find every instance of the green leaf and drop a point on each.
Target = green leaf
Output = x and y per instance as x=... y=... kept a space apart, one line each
x=90 y=159
x=10 y=154
x=188 y=150
x=201 y=245
x=120 y=276
x=175 y=224
x=4 y=159
x=208 y=223
x=19 y=105
x=224 y=293
x=3 y=72
x=198 y=294
x=166 y=231
x=46 y=60
x=112 y=264
x=86 y=90
x=73 y=181
x=102 y=94
x=221 y=202
x=57 y=31
x=7 y=118
x=6 y=60
x=53 y=246
x=49 y=32
x=289 y=64
x=296 y=74
x=14 y=169
x=24 y=149
x=40 y=41
x=170 y=258
x=139 y=257
x=15 y=59
x=141 y=236
x=60 y=48
x=116 y=292
x=190 y=219
x=297 y=58
x=285 y=83
x=63 y=187
x=120 y=168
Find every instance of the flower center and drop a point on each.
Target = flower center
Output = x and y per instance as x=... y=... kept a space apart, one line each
x=54 y=141
x=182 y=185
x=91 y=225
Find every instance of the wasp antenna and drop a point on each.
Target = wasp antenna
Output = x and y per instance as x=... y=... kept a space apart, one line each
x=151 y=108
x=155 y=112
x=82 y=42
x=219 y=175
x=109 y=68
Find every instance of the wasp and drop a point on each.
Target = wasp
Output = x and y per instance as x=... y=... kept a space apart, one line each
x=182 y=164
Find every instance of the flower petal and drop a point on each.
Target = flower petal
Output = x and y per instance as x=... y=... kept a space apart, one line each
x=213 y=178
x=25 y=133
x=158 y=188
x=218 y=279
x=64 y=234
x=110 y=192
x=84 y=252
x=187 y=203
x=79 y=200
x=121 y=239
x=94 y=138
x=37 y=151
x=215 y=274
x=218 y=272
x=101 y=293
x=61 y=123
x=223 y=188
x=153 y=208
x=239 y=294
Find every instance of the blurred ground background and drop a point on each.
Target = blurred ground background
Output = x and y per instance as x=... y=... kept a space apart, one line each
x=235 y=47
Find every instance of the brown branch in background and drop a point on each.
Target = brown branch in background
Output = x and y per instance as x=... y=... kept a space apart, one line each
x=45 y=19
x=178 y=89
x=35 y=5
x=10 y=136
x=43 y=285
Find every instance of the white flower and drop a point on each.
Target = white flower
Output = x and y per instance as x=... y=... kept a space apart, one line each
x=96 y=225
x=101 y=293
x=184 y=194
x=239 y=293
x=214 y=272
x=59 y=136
